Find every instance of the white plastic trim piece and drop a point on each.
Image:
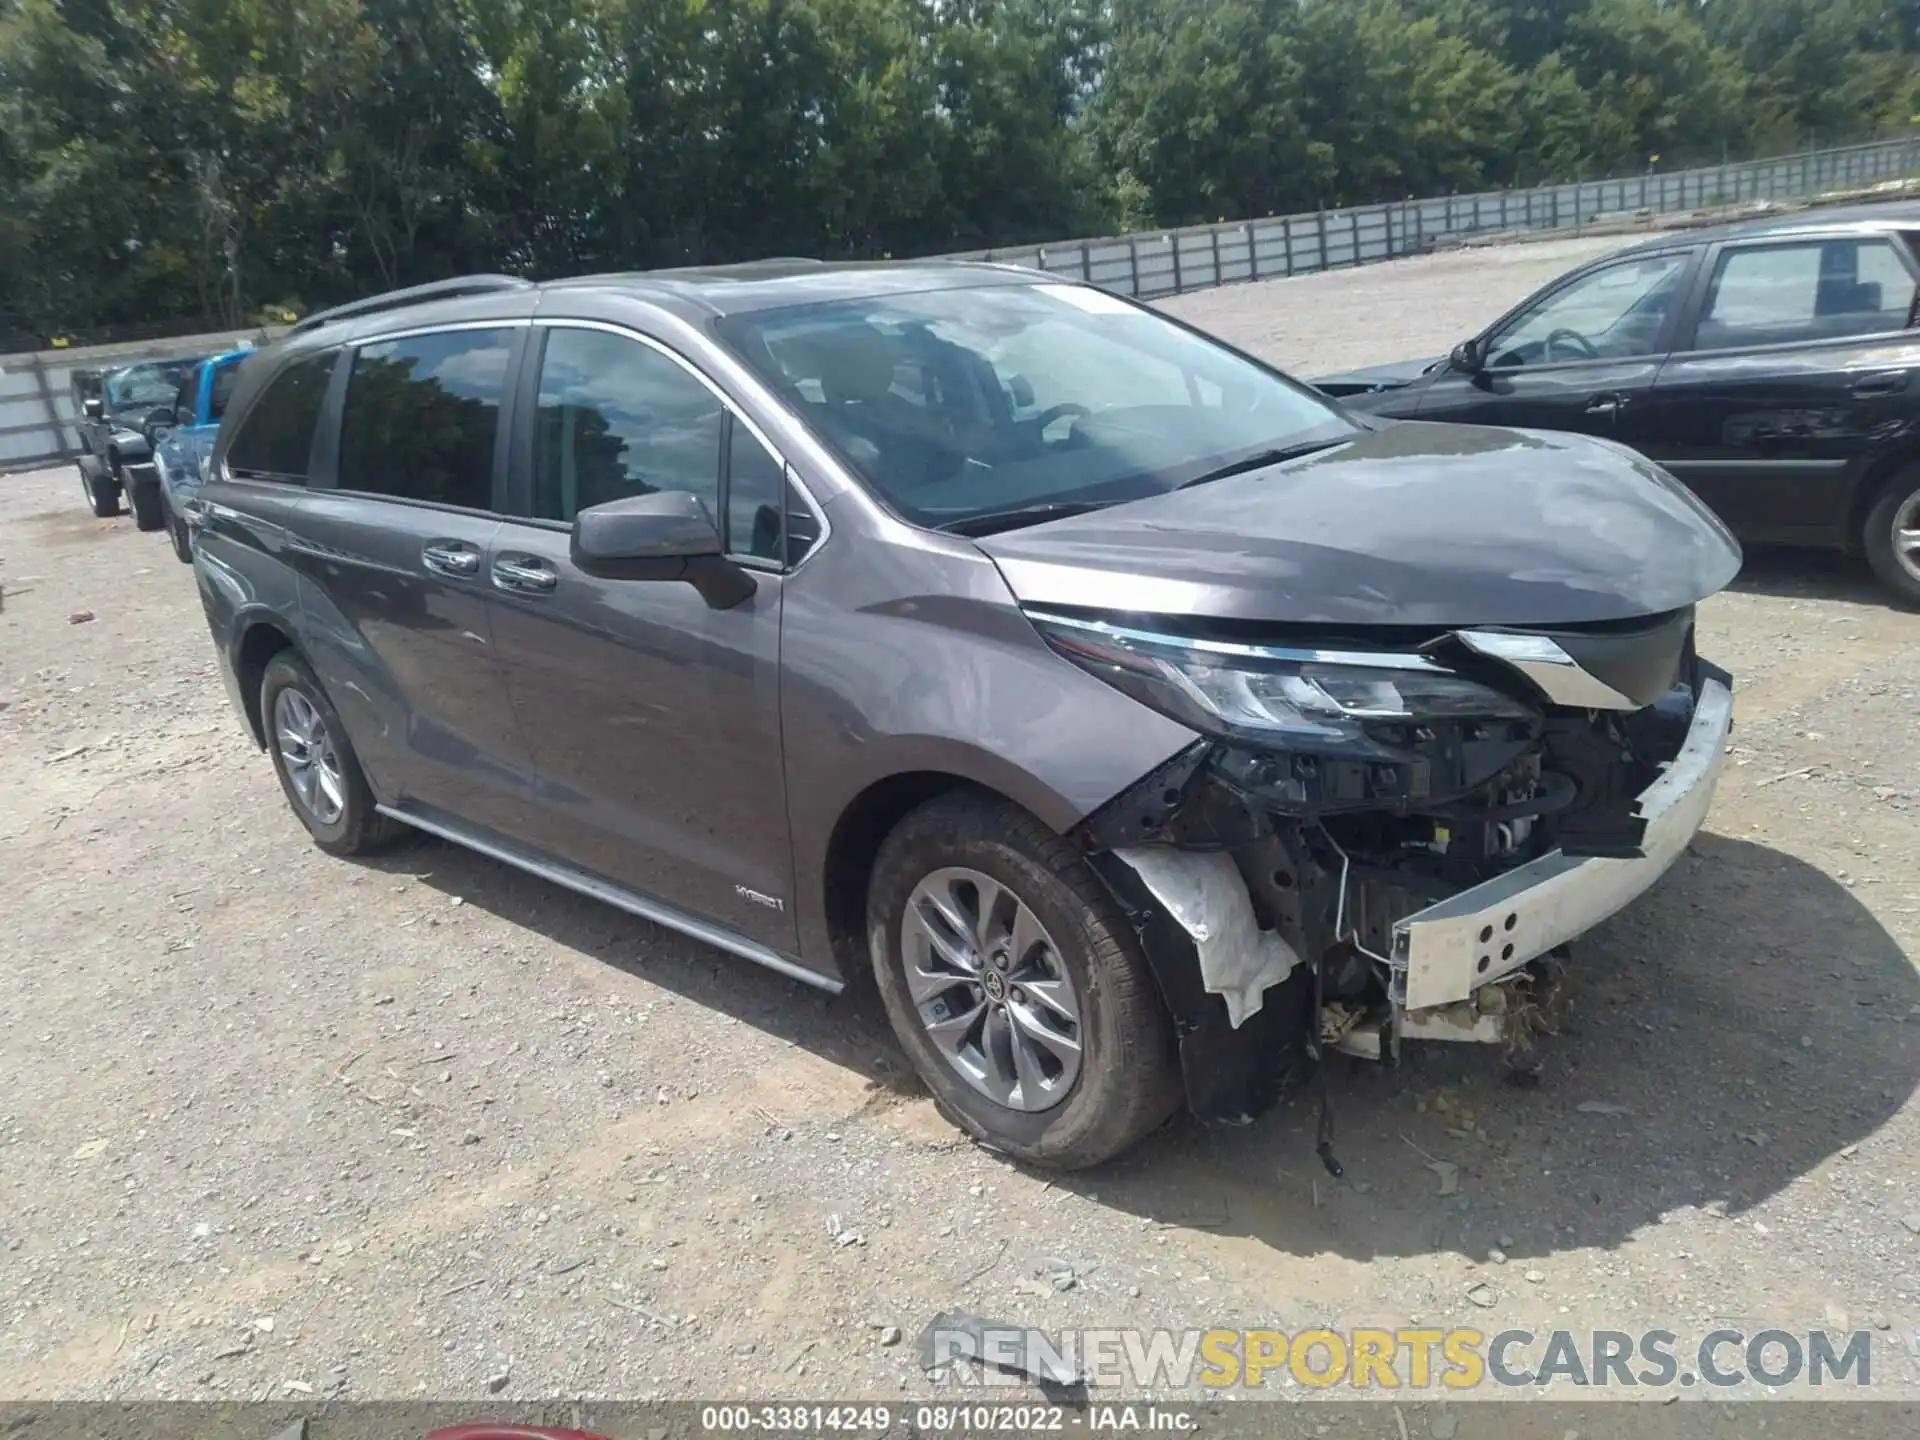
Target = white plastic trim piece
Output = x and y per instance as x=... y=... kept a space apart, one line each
x=1204 y=892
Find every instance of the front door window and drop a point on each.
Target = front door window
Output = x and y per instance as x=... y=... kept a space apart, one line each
x=1614 y=313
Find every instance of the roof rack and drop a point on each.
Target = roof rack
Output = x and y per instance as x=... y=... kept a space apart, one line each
x=413 y=295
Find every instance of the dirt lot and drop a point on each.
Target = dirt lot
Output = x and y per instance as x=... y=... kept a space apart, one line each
x=270 y=1120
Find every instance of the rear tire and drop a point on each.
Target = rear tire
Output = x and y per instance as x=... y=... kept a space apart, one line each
x=318 y=770
x=1120 y=1083
x=102 y=494
x=144 y=500
x=1896 y=514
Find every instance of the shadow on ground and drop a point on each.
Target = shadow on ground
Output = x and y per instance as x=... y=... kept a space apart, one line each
x=1749 y=1014
x=1803 y=574
x=1742 y=1023
x=849 y=1029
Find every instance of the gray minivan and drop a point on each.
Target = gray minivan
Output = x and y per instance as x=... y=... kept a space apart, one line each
x=1141 y=721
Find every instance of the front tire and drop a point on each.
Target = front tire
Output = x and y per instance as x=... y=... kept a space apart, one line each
x=1016 y=986
x=144 y=500
x=1891 y=536
x=318 y=770
x=102 y=495
x=177 y=532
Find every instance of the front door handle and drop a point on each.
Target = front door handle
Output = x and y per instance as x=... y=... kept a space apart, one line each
x=451 y=557
x=1890 y=384
x=524 y=573
x=1607 y=404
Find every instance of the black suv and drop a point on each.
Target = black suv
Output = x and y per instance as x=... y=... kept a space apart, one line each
x=1135 y=718
x=123 y=413
x=1770 y=365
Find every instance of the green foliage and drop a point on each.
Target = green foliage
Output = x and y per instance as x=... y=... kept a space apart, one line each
x=214 y=159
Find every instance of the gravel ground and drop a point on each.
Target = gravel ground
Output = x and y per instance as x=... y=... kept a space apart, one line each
x=426 y=1126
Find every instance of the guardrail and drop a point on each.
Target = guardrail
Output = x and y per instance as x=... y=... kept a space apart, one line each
x=1151 y=264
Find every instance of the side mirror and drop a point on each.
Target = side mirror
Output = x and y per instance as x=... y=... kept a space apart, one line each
x=163 y=416
x=94 y=408
x=1021 y=389
x=1468 y=358
x=663 y=535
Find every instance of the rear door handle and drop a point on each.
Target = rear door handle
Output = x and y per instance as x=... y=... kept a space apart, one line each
x=1608 y=404
x=526 y=574
x=451 y=557
x=1891 y=384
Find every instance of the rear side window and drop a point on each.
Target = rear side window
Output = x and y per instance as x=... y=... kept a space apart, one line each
x=421 y=415
x=224 y=379
x=1815 y=290
x=276 y=437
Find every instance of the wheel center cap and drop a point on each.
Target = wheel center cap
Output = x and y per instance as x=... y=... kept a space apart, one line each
x=995 y=984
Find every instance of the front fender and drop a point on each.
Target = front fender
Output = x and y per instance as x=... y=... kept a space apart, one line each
x=128 y=446
x=894 y=667
x=179 y=477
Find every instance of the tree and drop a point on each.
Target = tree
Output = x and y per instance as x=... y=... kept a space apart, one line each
x=202 y=161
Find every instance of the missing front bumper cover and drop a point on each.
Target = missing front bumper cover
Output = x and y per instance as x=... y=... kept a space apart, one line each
x=1443 y=953
x=1258 y=937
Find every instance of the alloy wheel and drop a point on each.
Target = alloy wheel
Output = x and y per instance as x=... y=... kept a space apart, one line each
x=991 y=989
x=313 y=764
x=1906 y=535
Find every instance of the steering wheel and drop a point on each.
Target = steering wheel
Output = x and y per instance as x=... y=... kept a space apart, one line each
x=1052 y=413
x=1587 y=352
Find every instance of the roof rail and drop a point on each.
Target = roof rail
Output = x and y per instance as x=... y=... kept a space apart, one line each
x=413 y=295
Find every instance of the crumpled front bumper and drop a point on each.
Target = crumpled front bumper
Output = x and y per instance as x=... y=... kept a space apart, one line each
x=1451 y=949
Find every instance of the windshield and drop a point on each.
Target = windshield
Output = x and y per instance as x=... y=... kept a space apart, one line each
x=151 y=385
x=956 y=404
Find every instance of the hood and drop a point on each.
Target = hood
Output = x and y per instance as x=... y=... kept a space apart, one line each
x=1375 y=377
x=1413 y=524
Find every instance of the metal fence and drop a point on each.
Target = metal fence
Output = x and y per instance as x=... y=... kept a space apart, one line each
x=38 y=421
x=1155 y=263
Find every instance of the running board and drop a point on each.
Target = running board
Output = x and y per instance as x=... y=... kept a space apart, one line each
x=596 y=888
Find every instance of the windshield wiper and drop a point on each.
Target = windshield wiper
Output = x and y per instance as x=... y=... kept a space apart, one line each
x=992 y=522
x=1260 y=459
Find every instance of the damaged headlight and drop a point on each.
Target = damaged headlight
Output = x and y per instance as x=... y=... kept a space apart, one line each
x=1272 y=694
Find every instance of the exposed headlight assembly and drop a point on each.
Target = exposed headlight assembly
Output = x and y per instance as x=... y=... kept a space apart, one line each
x=1272 y=695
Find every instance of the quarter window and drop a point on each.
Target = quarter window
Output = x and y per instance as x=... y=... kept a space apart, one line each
x=276 y=435
x=421 y=415
x=1816 y=290
x=756 y=494
x=1614 y=313
x=618 y=418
